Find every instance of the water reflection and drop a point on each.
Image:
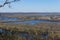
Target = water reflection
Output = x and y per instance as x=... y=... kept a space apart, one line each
x=9 y=18
x=15 y=20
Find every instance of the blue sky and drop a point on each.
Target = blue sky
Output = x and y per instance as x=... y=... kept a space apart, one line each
x=33 y=6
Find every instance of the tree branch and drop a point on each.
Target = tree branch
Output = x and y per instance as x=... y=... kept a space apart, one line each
x=6 y=2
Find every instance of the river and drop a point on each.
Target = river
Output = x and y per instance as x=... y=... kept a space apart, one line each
x=14 y=20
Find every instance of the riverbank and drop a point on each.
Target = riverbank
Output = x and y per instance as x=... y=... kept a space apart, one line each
x=37 y=26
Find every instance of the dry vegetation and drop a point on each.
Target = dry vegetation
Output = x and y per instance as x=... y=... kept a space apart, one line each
x=38 y=31
x=51 y=30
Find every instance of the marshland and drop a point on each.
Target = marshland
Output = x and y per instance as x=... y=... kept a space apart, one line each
x=29 y=26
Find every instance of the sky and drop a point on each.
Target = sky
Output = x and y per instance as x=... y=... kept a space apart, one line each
x=32 y=6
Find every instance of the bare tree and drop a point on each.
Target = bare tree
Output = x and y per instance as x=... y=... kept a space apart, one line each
x=8 y=2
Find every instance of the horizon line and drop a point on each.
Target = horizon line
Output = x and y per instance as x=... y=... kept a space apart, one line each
x=29 y=12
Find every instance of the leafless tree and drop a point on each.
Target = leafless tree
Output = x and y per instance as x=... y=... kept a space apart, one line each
x=8 y=2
